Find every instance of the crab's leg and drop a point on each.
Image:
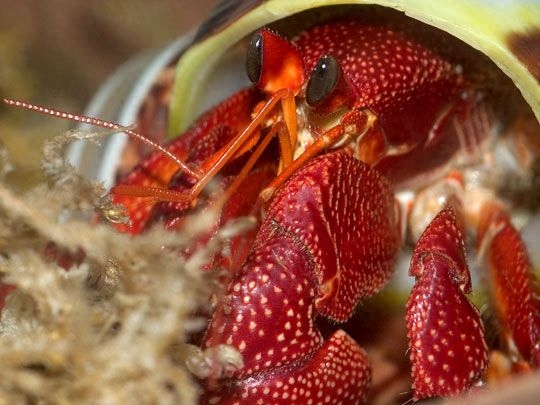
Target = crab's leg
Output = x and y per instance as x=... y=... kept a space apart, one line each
x=445 y=332
x=207 y=135
x=513 y=289
x=5 y=289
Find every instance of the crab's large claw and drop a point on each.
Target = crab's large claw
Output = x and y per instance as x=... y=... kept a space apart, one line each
x=512 y=286
x=445 y=332
x=329 y=239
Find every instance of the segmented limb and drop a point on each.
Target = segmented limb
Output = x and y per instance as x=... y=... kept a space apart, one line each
x=446 y=335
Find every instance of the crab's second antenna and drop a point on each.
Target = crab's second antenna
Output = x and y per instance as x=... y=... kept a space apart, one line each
x=103 y=124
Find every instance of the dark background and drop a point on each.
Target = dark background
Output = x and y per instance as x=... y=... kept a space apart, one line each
x=58 y=52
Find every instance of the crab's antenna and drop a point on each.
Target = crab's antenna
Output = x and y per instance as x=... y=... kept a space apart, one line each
x=103 y=124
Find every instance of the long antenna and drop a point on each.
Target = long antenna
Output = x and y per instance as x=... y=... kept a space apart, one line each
x=103 y=124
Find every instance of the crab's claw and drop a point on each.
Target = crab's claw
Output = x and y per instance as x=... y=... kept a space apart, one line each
x=445 y=332
x=329 y=240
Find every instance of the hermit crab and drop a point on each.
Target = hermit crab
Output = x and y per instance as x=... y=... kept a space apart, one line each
x=367 y=129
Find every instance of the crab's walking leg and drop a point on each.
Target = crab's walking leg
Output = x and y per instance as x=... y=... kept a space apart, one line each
x=446 y=335
x=5 y=289
x=512 y=286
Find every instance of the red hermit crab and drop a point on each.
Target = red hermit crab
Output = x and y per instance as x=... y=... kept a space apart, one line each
x=362 y=132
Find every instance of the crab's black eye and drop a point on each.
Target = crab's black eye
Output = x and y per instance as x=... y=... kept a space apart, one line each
x=323 y=80
x=254 y=58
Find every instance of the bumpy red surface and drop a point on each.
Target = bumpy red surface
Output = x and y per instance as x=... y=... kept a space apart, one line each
x=513 y=287
x=339 y=373
x=343 y=214
x=446 y=335
x=329 y=239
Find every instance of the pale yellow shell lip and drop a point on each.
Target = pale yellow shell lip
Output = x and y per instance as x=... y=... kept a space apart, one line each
x=508 y=32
